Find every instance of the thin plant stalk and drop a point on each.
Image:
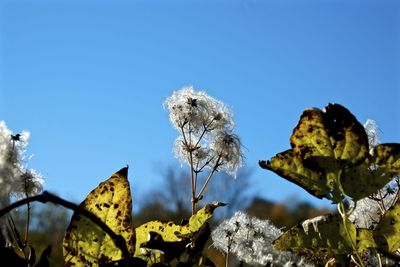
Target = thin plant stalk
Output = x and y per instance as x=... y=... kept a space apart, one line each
x=343 y=214
x=208 y=178
x=192 y=174
x=379 y=259
x=28 y=211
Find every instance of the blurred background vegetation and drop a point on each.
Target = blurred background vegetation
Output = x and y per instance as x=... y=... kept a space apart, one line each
x=170 y=201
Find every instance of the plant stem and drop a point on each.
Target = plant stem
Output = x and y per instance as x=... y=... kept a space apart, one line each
x=208 y=178
x=388 y=254
x=379 y=259
x=193 y=176
x=192 y=173
x=28 y=212
x=343 y=214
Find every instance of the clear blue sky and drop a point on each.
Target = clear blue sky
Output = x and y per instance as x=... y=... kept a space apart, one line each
x=88 y=78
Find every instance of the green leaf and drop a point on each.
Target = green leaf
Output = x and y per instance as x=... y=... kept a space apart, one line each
x=329 y=140
x=330 y=156
x=367 y=178
x=287 y=165
x=179 y=243
x=365 y=240
x=387 y=158
x=387 y=233
x=85 y=243
x=319 y=235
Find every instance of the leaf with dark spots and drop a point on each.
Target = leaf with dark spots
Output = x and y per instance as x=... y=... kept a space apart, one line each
x=387 y=157
x=375 y=172
x=85 y=243
x=290 y=167
x=325 y=233
x=330 y=156
x=387 y=232
x=129 y=262
x=170 y=233
x=329 y=140
x=309 y=138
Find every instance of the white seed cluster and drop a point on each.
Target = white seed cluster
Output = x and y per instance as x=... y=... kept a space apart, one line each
x=206 y=126
x=367 y=212
x=251 y=241
x=15 y=178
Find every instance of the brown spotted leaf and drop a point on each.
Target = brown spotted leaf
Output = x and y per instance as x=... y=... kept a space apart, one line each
x=330 y=156
x=387 y=233
x=387 y=158
x=287 y=165
x=367 y=178
x=319 y=235
x=328 y=140
x=174 y=240
x=85 y=243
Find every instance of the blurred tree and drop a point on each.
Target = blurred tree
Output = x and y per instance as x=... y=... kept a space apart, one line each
x=171 y=199
x=281 y=215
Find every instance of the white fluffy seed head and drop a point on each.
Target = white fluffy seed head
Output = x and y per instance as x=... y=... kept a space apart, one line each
x=227 y=147
x=200 y=153
x=206 y=126
x=15 y=178
x=367 y=212
x=251 y=240
x=372 y=130
x=193 y=111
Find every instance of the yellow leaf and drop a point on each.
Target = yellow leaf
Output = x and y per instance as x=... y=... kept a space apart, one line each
x=387 y=157
x=365 y=240
x=368 y=177
x=318 y=235
x=387 y=233
x=166 y=233
x=327 y=140
x=330 y=156
x=85 y=243
x=289 y=166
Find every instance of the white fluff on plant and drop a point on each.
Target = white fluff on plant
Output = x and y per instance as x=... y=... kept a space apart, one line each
x=195 y=112
x=206 y=126
x=16 y=180
x=367 y=212
x=226 y=152
x=251 y=241
x=206 y=140
x=372 y=131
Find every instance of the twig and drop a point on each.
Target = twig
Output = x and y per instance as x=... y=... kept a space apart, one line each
x=389 y=255
x=28 y=211
x=45 y=197
x=217 y=164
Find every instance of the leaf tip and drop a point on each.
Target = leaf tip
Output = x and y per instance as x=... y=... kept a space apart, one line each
x=263 y=164
x=124 y=171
